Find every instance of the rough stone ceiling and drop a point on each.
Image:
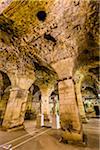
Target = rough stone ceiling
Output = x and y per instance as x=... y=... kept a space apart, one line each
x=70 y=29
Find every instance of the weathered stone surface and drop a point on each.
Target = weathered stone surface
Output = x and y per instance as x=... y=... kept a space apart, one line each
x=71 y=28
x=69 y=110
x=48 y=51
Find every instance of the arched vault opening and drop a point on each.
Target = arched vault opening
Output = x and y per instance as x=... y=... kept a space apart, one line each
x=5 y=85
x=33 y=107
x=38 y=106
x=89 y=93
x=46 y=80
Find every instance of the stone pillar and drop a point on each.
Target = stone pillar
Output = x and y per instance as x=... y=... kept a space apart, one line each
x=55 y=116
x=14 y=115
x=69 y=115
x=45 y=103
x=45 y=108
x=21 y=80
x=80 y=105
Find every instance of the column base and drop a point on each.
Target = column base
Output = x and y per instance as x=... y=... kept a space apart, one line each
x=8 y=124
x=71 y=136
x=12 y=127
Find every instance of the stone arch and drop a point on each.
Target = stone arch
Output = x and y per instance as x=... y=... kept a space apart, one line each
x=46 y=79
x=87 y=58
x=33 y=108
x=5 y=86
x=89 y=94
x=34 y=99
x=79 y=78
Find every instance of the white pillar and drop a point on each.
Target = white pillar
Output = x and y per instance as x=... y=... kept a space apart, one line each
x=58 y=121
x=42 y=120
x=45 y=106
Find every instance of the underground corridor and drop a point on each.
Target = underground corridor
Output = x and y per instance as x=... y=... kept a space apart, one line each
x=49 y=74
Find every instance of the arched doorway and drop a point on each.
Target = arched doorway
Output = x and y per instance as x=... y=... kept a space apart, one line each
x=33 y=107
x=5 y=86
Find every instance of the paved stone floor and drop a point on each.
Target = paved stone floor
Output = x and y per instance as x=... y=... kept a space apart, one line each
x=43 y=140
x=29 y=126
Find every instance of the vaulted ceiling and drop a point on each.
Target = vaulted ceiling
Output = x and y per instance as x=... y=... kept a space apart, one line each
x=45 y=32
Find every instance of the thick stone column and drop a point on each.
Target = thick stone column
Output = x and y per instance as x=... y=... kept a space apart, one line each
x=69 y=115
x=15 y=110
